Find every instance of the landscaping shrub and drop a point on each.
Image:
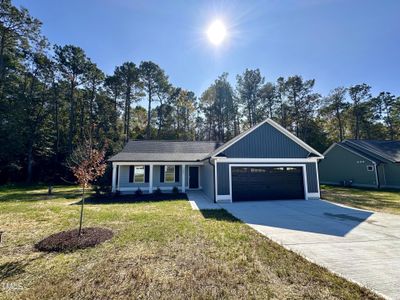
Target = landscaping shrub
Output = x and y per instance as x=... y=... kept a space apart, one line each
x=139 y=192
x=157 y=191
x=175 y=190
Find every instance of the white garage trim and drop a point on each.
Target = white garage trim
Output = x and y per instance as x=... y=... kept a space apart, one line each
x=319 y=191
x=267 y=160
x=228 y=198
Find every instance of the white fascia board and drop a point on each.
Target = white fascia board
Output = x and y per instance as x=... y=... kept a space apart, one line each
x=158 y=163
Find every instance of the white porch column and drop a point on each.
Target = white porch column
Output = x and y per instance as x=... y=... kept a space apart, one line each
x=114 y=177
x=151 y=179
x=119 y=176
x=183 y=179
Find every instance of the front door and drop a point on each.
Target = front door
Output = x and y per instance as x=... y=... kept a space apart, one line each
x=193 y=177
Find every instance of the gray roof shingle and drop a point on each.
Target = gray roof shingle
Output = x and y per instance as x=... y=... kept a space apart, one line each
x=389 y=150
x=156 y=150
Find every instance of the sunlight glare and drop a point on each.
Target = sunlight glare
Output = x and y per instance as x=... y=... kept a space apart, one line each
x=216 y=32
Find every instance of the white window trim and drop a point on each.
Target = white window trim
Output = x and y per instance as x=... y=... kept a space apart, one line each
x=134 y=173
x=165 y=174
x=370 y=168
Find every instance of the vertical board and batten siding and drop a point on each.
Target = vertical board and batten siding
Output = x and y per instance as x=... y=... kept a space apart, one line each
x=223 y=177
x=207 y=179
x=389 y=175
x=265 y=142
x=341 y=165
x=312 y=178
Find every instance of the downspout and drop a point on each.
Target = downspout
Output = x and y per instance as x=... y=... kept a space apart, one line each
x=209 y=161
x=376 y=174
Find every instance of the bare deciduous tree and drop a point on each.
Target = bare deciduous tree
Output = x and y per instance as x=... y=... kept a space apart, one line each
x=87 y=164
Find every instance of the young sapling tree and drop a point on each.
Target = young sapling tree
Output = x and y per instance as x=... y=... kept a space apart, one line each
x=87 y=164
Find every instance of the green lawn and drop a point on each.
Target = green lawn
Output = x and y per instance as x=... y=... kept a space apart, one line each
x=161 y=250
x=377 y=200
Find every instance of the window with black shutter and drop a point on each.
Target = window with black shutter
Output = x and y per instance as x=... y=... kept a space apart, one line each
x=170 y=174
x=146 y=173
x=162 y=171
x=176 y=173
x=131 y=173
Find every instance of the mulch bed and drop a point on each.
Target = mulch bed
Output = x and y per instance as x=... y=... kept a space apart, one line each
x=120 y=199
x=67 y=241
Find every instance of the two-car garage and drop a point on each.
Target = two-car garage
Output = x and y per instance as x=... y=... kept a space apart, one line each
x=250 y=183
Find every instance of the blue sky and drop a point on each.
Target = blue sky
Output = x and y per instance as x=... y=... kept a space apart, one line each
x=339 y=43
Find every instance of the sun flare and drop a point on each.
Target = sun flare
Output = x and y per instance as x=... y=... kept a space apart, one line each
x=216 y=32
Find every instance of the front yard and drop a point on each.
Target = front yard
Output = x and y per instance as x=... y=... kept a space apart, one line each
x=160 y=250
x=376 y=200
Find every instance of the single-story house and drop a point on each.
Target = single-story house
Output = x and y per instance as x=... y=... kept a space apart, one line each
x=263 y=163
x=362 y=163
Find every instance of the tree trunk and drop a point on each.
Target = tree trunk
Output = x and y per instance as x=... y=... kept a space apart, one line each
x=128 y=114
x=92 y=98
x=71 y=117
x=340 y=125
x=357 y=127
x=81 y=216
x=2 y=66
x=57 y=125
x=30 y=161
x=148 y=132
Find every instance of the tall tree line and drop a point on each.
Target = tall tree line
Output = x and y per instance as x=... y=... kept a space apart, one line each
x=53 y=98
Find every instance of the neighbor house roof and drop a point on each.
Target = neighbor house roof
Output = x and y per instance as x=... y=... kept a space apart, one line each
x=156 y=150
x=388 y=150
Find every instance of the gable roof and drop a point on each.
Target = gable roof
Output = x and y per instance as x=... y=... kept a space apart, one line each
x=352 y=150
x=294 y=138
x=388 y=150
x=156 y=150
x=191 y=151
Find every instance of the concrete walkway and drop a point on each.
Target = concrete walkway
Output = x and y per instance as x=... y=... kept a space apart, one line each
x=361 y=246
x=199 y=201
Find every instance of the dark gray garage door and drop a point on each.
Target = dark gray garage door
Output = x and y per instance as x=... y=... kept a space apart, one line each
x=267 y=183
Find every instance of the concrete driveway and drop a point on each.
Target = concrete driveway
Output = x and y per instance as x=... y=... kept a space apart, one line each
x=360 y=245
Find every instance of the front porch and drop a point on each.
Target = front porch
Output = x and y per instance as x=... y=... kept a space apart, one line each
x=128 y=177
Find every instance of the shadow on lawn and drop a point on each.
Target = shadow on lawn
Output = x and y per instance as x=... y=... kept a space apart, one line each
x=126 y=199
x=29 y=193
x=219 y=215
x=10 y=269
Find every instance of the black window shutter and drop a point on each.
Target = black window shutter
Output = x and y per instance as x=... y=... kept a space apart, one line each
x=176 y=173
x=131 y=173
x=162 y=170
x=146 y=173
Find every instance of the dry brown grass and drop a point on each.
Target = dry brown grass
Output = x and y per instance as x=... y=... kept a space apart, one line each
x=161 y=250
x=377 y=200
